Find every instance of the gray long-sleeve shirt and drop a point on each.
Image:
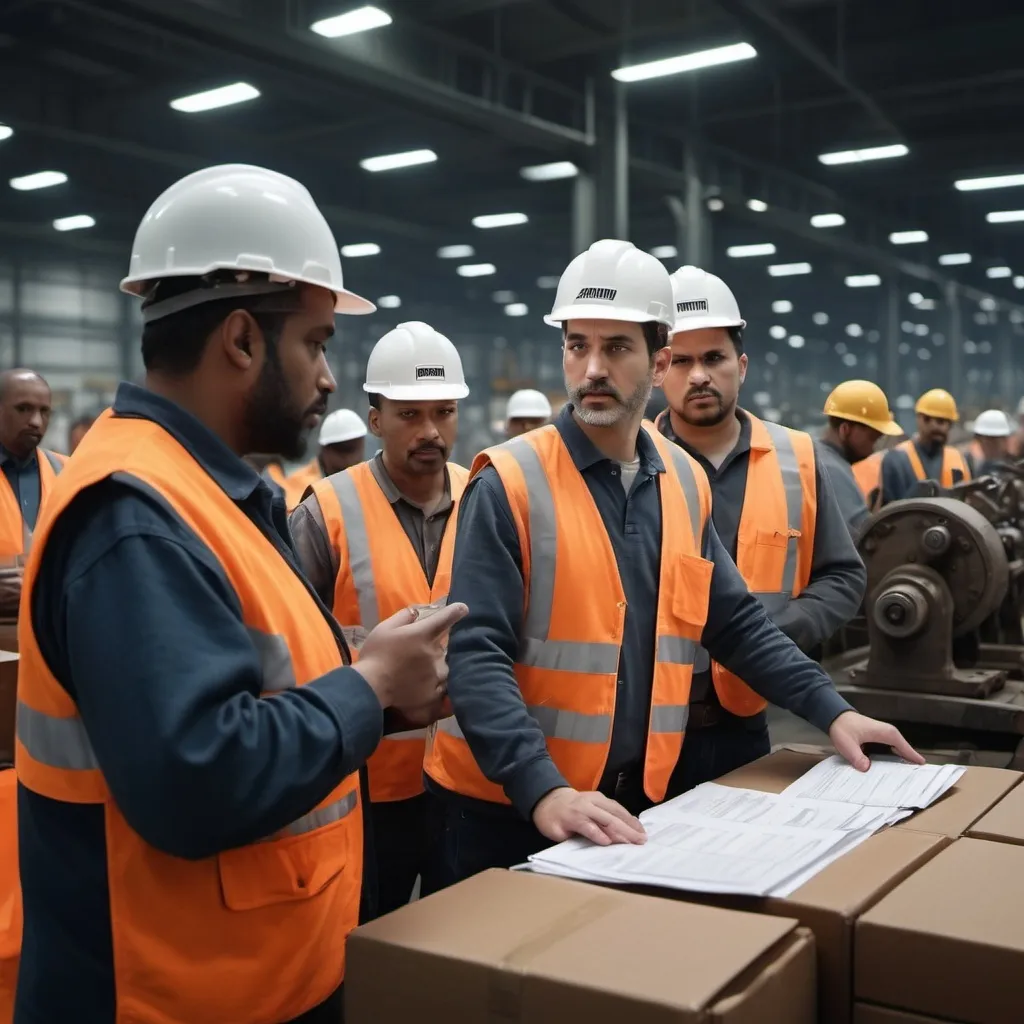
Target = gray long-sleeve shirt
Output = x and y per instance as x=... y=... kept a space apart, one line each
x=845 y=487
x=506 y=741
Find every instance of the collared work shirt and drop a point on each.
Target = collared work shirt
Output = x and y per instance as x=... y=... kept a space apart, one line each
x=898 y=477
x=23 y=476
x=487 y=575
x=845 y=487
x=425 y=531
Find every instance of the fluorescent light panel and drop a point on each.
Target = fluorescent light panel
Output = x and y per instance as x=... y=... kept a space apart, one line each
x=1004 y=216
x=954 y=259
x=6 y=131
x=360 y=20
x=757 y=205
x=41 y=179
x=859 y=156
x=517 y=309
x=665 y=252
x=796 y=341
x=788 y=269
x=456 y=252
x=360 y=249
x=908 y=237
x=759 y=249
x=393 y=161
x=389 y=302
x=863 y=281
x=995 y=273
x=828 y=220
x=476 y=269
x=550 y=172
x=979 y=184
x=74 y=223
x=225 y=96
x=685 y=62
x=499 y=220
x=782 y=306
x=547 y=282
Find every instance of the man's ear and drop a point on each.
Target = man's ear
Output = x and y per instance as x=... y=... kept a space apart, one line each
x=374 y=421
x=744 y=363
x=241 y=339
x=661 y=363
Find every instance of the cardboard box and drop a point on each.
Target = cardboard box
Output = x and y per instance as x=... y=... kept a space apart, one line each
x=511 y=947
x=8 y=703
x=864 y=1014
x=978 y=790
x=1005 y=822
x=949 y=941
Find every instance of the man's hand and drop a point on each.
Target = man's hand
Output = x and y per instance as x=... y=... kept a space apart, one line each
x=566 y=812
x=10 y=591
x=850 y=731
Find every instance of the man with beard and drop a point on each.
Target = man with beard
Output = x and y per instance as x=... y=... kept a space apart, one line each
x=858 y=416
x=926 y=456
x=379 y=537
x=595 y=572
x=774 y=511
x=29 y=473
x=190 y=733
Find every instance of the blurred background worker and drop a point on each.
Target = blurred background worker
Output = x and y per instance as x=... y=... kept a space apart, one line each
x=189 y=734
x=926 y=456
x=595 y=572
x=1016 y=447
x=77 y=431
x=29 y=472
x=774 y=511
x=527 y=409
x=858 y=416
x=342 y=443
x=992 y=432
x=379 y=537
x=270 y=470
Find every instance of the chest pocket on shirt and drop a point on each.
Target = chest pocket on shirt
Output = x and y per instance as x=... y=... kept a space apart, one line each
x=691 y=591
x=767 y=561
x=283 y=870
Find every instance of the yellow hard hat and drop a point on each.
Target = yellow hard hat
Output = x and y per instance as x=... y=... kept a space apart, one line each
x=938 y=404
x=860 y=401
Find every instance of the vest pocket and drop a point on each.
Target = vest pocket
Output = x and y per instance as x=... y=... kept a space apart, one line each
x=691 y=590
x=767 y=560
x=283 y=870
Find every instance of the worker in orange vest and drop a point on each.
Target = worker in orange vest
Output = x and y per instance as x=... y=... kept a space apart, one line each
x=858 y=417
x=775 y=512
x=926 y=456
x=380 y=536
x=190 y=735
x=342 y=443
x=597 y=575
x=29 y=471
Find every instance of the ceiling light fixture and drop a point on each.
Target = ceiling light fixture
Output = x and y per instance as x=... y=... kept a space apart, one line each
x=517 y=309
x=828 y=220
x=757 y=205
x=6 y=131
x=979 y=184
x=684 y=62
x=908 y=237
x=665 y=252
x=821 y=319
x=796 y=341
x=41 y=179
x=758 y=249
x=550 y=172
x=358 y=249
x=393 y=161
x=954 y=259
x=476 y=269
x=389 y=302
x=788 y=269
x=547 y=282
x=360 y=20
x=456 y=252
x=499 y=220
x=863 y=281
x=995 y=273
x=1004 y=216
x=212 y=99
x=75 y=223
x=782 y=306
x=859 y=156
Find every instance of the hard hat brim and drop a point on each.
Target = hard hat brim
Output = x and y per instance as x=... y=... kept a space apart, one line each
x=696 y=323
x=418 y=392
x=340 y=438
x=992 y=433
x=890 y=428
x=595 y=312
x=927 y=410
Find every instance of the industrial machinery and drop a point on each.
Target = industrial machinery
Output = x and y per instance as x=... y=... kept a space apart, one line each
x=944 y=660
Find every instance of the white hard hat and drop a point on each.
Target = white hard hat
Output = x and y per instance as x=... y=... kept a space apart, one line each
x=528 y=405
x=703 y=300
x=242 y=219
x=414 y=362
x=341 y=425
x=992 y=423
x=613 y=280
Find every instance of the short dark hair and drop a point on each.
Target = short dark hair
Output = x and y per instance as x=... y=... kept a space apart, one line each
x=174 y=344
x=835 y=422
x=736 y=335
x=374 y=399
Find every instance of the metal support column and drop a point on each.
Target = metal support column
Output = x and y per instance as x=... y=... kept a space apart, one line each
x=893 y=383
x=17 y=327
x=955 y=339
x=126 y=339
x=612 y=164
x=1007 y=388
x=697 y=235
x=584 y=212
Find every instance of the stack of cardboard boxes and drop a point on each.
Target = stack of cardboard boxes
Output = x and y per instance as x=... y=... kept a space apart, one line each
x=921 y=924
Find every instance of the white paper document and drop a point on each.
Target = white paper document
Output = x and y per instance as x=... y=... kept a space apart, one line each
x=889 y=782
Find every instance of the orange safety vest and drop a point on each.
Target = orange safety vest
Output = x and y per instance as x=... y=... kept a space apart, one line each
x=775 y=543
x=295 y=484
x=868 y=474
x=253 y=934
x=378 y=574
x=952 y=459
x=15 y=536
x=568 y=658
x=10 y=895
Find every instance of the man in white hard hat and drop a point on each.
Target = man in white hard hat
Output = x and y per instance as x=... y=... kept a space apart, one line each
x=596 y=573
x=191 y=736
x=527 y=409
x=342 y=443
x=992 y=433
x=774 y=511
x=379 y=537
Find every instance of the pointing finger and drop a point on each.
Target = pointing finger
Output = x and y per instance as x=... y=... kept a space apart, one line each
x=440 y=622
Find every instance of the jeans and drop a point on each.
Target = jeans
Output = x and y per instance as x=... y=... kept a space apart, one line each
x=715 y=751
x=404 y=835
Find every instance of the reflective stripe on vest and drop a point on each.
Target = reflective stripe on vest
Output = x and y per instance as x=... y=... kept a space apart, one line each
x=952 y=459
x=775 y=542
x=568 y=682
x=379 y=573
x=279 y=909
